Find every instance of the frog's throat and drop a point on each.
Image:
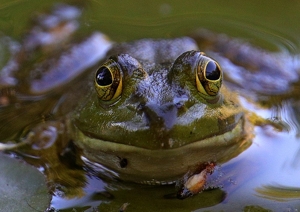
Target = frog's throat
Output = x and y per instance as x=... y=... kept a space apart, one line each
x=163 y=165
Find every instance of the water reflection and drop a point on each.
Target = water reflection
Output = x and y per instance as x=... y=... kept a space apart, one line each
x=279 y=193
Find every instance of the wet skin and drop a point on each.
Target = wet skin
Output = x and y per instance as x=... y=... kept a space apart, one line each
x=156 y=110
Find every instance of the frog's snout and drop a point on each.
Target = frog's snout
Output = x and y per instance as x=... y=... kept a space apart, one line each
x=160 y=117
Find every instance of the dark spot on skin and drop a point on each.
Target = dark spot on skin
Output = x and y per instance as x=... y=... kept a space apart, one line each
x=123 y=162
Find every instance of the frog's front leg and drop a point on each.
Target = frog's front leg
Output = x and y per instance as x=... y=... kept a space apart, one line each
x=195 y=181
x=40 y=137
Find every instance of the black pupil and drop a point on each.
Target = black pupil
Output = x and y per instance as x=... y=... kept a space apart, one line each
x=212 y=71
x=103 y=76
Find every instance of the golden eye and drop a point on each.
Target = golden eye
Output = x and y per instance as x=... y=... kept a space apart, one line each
x=208 y=76
x=108 y=80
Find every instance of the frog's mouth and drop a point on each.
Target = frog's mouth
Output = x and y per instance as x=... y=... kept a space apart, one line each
x=163 y=165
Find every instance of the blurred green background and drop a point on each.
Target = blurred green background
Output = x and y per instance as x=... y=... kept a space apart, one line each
x=128 y=20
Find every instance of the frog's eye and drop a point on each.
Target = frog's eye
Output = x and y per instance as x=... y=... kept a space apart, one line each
x=108 y=81
x=208 y=76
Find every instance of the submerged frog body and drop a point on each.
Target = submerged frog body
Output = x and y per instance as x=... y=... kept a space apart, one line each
x=158 y=111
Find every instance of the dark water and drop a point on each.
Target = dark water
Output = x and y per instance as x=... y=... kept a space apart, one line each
x=264 y=177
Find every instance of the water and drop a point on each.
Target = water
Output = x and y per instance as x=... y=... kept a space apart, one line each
x=264 y=176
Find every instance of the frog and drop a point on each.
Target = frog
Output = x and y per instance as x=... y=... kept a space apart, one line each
x=159 y=102
x=153 y=112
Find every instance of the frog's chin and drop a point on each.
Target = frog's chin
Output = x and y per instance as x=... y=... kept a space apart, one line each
x=162 y=166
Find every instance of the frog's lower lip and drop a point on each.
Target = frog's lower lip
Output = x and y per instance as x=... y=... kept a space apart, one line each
x=163 y=164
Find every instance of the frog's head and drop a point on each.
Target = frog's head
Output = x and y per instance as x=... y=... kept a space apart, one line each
x=140 y=107
x=158 y=106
